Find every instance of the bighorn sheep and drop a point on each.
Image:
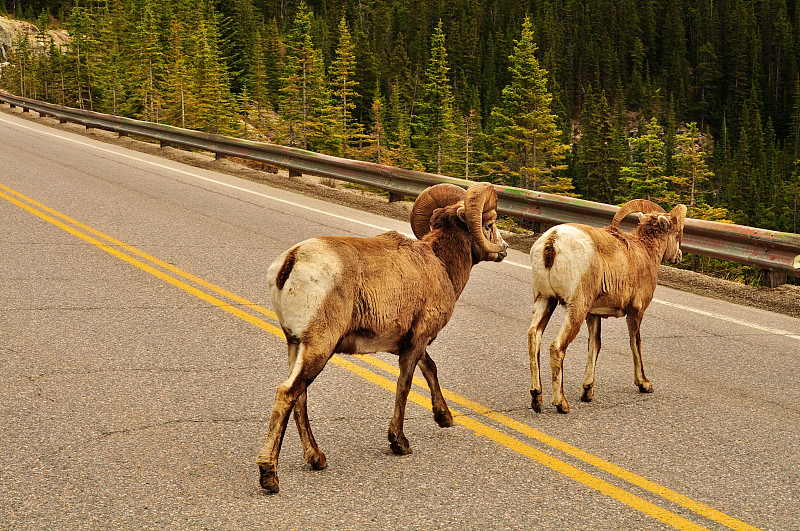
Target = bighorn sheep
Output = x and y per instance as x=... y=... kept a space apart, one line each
x=388 y=293
x=598 y=273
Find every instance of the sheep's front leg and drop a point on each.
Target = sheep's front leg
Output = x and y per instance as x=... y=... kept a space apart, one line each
x=639 y=379
x=593 y=323
x=441 y=413
x=542 y=310
x=397 y=440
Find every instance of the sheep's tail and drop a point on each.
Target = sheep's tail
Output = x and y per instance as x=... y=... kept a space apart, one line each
x=286 y=269
x=550 y=250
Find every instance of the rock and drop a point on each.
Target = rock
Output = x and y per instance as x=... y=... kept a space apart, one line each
x=10 y=30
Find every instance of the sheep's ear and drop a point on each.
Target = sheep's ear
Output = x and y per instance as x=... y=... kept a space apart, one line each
x=641 y=216
x=462 y=214
x=664 y=223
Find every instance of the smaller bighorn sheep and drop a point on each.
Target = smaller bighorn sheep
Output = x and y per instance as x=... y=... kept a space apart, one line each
x=597 y=273
x=388 y=293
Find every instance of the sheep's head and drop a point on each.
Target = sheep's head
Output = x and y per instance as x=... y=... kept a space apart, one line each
x=476 y=208
x=668 y=224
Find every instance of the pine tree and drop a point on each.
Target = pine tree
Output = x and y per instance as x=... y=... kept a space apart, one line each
x=180 y=98
x=273 y=66
x=433 y=121
x=81 y=49
x=304 y=96
x=344 y=84
x=217 y=111
x=111 y=68
x=644 y=176
x=145 y=99
x=399 y=134
x=527 y=142
x=597 y=155
x=692 y=174
x=378 y=140
x=747 y=195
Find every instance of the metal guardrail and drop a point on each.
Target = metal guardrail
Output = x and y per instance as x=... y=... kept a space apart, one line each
x=777 y=253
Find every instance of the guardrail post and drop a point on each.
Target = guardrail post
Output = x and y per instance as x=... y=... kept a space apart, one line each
x=773 y=279
x=218 y=156
x=395 y=196
x=295 y=173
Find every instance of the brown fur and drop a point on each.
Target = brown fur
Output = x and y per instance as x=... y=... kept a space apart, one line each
x=620 y=281
x=387 y=293
x=286 y=269
x=550 y=251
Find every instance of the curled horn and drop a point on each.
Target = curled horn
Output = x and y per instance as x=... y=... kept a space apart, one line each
x=637 y=205
x=481 y=198
x=679 y=212
x=437 y=196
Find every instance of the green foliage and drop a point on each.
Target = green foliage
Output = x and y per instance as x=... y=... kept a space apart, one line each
x=644 y=176
x=599 y=155
x=434 y=126
x=344 y=85
x=527 y=142
x=483 y=86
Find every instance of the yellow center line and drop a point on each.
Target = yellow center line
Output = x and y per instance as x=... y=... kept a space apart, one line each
x=480 y=429
x=142 y=254
x=150 y=269
x=526 y=450
x=630 y=477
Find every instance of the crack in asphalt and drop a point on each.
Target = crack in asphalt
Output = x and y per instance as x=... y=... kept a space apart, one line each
x=33 y=378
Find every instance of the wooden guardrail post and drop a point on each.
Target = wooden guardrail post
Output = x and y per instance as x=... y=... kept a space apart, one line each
x=773 y=279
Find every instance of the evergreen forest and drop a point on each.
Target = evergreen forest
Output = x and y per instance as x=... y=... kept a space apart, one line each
x=690 y=101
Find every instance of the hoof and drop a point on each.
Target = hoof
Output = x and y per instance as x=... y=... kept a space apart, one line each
x=588 y=394
x=317 y=461
x=398 y=449
x=268 y=478
x=536 y=401
x=444 y=420
x=399 y=445
x=563 y=407
x=646 y=387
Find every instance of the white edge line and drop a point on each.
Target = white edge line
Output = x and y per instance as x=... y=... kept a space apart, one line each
x=197 y=176
x=733 y=320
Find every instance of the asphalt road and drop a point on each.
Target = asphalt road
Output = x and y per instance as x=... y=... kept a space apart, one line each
x=138 y=369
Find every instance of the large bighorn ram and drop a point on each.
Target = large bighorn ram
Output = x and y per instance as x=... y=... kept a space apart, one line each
x=388 y=293
x=598 y=273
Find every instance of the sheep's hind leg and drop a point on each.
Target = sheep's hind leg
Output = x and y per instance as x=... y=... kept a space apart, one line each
x=304 y=370
x=441 y=413
x=397 y=439
x=542 y=310
x=576 y=313
x=311 y=452
x=593 y=323
x=639 y=379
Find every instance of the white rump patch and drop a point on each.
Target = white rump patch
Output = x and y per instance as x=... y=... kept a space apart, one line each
x=317 y=269
x=574 y=252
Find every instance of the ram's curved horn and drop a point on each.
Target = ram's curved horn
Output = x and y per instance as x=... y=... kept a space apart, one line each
x=437 y=196
x=481 y=199
x=680 y=214
x=637 y=205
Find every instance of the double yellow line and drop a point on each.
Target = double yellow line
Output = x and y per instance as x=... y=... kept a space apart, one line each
x=179 y=278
